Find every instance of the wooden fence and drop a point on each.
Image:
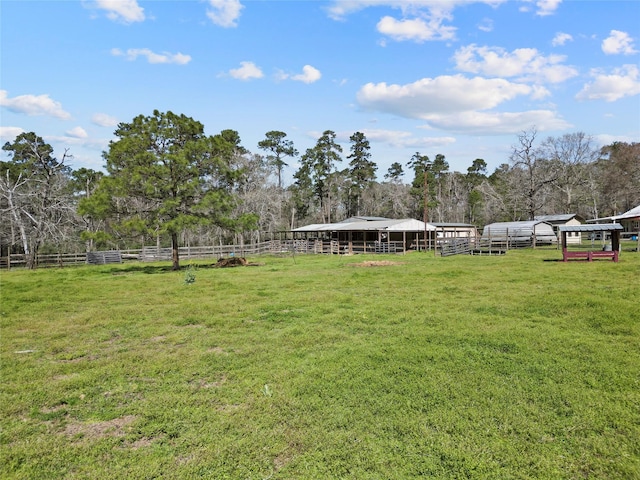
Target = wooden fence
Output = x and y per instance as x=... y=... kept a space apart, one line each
x=449 y=246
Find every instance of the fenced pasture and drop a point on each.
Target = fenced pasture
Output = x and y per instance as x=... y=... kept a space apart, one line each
x=323 y=366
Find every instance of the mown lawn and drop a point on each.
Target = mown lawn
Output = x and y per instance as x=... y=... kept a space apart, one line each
x=508 y=367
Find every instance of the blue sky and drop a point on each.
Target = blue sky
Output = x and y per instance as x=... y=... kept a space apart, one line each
x=458 y=77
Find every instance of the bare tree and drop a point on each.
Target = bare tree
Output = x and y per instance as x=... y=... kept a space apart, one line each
x=571 y=156
x=538 y=173
x=34 y=189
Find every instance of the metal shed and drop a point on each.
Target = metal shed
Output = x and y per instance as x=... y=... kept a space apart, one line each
x=524 y=233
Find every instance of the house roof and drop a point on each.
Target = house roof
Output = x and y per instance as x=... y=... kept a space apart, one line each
x=362 y=219
x=388 y=225
x=593 y=227
x=564 y=217
x=632 y=214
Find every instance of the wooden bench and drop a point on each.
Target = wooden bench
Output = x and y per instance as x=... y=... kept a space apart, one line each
x=589 y=255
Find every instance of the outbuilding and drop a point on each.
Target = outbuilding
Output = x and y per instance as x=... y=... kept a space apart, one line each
x=519 y=234
x=369 y=235
x=564 y=219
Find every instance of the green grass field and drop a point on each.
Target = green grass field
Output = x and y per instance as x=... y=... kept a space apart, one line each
x=509 y=367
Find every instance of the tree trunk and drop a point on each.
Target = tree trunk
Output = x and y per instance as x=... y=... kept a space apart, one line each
x=174 y=252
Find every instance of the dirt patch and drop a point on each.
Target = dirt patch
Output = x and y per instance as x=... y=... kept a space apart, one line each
x=234 y=262
x=376 y=263
x=98 y=430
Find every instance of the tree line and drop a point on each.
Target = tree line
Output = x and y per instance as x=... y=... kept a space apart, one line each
x=166 y=182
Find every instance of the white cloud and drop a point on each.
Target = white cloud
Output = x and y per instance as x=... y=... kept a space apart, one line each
x=543 y=7
x=547 y=7
x=126 y=11
x=400 y=139
x=165 y=57
x=458 y=103
x=340 y=9
x=33 y=105
x=104 y=120
x=618 y=43
x=486 y=25
x=77 y=132
x=417 y=29
x=623 y=82
x=9 y=134
x=444 y=94
x=309 y=75
x=421 y=20
x=561 y=38
x=247 y=71
x=225 y=13
x=495 y=123
x=524 y=63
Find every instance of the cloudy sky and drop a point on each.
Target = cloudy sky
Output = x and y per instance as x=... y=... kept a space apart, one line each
x=456 y=77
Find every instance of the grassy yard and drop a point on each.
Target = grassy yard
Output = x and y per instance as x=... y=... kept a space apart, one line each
x=509 y=367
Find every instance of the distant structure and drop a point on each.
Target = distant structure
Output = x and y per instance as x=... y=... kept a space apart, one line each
x=564 y=220
x=519 y=234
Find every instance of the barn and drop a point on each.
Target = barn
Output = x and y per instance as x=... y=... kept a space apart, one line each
x=370 y=234
x=519 y=234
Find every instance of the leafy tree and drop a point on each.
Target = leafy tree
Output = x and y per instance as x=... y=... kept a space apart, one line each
x=33 y=185
x=362 y=171
x=279 y=147
x=166 y=176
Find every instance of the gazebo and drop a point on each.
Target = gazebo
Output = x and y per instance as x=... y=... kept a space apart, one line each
x=612 y=228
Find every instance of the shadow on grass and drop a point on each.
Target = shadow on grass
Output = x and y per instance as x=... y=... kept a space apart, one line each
x=147 y=269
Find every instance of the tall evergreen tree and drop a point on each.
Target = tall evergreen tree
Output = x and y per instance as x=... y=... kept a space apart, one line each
x=166 y=176
x=279 y=147
x=316 y=167
x=362 y=171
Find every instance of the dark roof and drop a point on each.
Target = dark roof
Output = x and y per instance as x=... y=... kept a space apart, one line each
x=595 y=227
x=563 y=217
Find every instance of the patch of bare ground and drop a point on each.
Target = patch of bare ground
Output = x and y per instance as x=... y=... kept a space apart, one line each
x=218 y=350
x=97 y=430
x=140 y=443
x=234 y=262
x=203 y=383
x=376 y=263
